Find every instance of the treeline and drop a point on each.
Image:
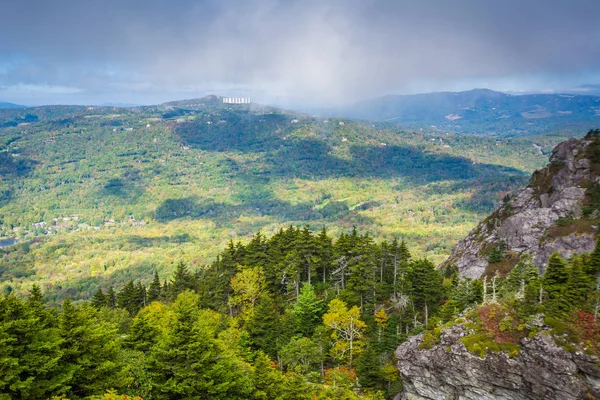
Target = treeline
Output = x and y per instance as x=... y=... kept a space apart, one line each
x=298 y=315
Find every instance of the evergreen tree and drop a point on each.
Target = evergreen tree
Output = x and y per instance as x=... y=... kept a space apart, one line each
x=112 y=297
x=100 y=300
x=579 y=284
x=368 y=367
x=362 y=268
x=190 y=362
x=90 y=351
x=555 y=277
x=141 y=298
x=264 y=326
x=592 y=265
x=142 y=334
x=180 y=282
x=128 y=298
x=30 y=353
x=267 y=381
x=154 y=290
x=426 y=287
x=324 y=254
x=308 y=311
x=519 y=277
x=300 y=354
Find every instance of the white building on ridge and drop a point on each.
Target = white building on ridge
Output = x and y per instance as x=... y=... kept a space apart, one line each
x=236 y=100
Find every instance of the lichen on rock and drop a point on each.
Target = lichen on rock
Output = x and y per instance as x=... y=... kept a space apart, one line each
x=542 y=371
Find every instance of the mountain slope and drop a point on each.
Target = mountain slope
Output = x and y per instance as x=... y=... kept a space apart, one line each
x=10 y=105
x=482 y=111
x=557 y=211
x=104 y=194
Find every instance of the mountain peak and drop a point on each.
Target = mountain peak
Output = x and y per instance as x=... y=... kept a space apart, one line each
x=556 y=212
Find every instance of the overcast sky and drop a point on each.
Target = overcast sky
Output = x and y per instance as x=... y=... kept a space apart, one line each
x=290 y=52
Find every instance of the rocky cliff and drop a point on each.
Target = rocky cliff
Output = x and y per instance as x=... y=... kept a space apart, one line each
x=541 y=371
x=557 y=211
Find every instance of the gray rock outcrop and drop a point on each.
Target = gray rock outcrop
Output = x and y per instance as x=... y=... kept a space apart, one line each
x=542 y=371
x=529 y=222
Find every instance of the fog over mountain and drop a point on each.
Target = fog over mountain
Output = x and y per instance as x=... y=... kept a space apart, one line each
x=290 y=52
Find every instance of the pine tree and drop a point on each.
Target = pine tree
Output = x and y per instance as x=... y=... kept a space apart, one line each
x=100 y=300
x=368 y=367
x=308 y=311
x=30 y=354
x=128 y=298
x=112 y=297
x=579 y=285
x=362 y=268
x=154 y=290
x=181 y=281
x=141 y=297
x=190 y=362
x=555 y=277
x=519 y=277
x=90 y=350
x=300 y=354
x=426 y=289
x=267 y=381
x=264 y=326
x=324 y=251
x=142 y=334
x=592 y=265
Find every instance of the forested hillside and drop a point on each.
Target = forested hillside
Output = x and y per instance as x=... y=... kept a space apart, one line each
x=292 y=316
x=104 y=195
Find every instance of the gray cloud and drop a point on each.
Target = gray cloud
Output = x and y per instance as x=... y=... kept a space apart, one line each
x=310 y=51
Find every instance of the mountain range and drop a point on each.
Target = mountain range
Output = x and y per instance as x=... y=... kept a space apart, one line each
x=10 y=105
x=481 y=111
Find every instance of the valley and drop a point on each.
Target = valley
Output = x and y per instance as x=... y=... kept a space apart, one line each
x=100 y=195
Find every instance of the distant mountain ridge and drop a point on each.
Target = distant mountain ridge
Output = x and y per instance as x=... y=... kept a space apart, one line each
x=10 y=105
x=481 y=111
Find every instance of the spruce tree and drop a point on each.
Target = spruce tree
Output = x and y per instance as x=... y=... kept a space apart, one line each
x=264 y=326
x=579 y=285
x=142 y=334
x=190 y=362
x=180 y=282
x=154 y=290
x=555 y=277
x=426 y=287
x=267 y=381
x=30 y=354
x=99 y=299
x=112 y=297
x=368 y=367
x=90 y=350
x=592 y=264
x=308 y=311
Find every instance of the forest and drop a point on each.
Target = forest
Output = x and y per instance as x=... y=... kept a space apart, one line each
x=297 y=315
x=98 y=196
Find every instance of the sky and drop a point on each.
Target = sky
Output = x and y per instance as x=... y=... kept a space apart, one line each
x=291 y=52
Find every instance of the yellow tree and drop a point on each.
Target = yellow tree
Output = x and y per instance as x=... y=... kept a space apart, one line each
x=381 y=318
x=248 y=286
x=347 y=330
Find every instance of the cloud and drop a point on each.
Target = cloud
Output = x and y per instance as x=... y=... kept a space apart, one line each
x=307 y=50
